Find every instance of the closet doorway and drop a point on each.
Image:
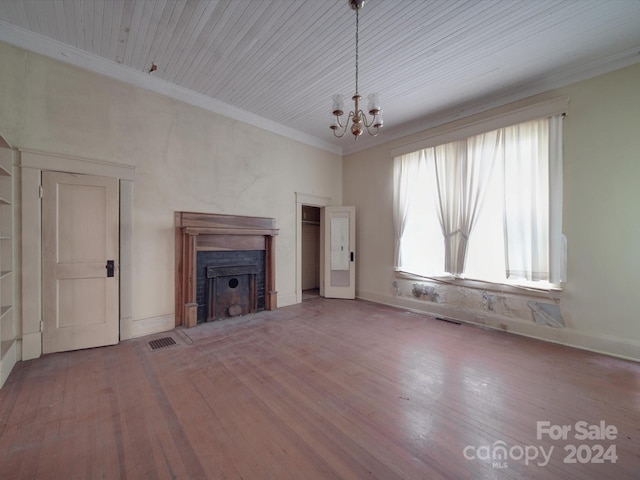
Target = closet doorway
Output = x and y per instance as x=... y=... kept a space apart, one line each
x=310 y=252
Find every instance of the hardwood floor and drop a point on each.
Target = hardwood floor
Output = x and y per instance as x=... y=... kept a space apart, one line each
x=325 y=389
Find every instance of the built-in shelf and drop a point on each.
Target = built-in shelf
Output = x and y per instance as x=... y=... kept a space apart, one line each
x=8 y=327
x=4 y=310
x=5 y=346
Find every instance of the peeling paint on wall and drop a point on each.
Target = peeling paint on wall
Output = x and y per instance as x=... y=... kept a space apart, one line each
x=547 y=314
x=488 y=300
x=425 y=292
x=482 y=306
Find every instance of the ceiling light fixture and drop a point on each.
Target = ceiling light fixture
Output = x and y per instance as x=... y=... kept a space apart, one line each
x=357 y=117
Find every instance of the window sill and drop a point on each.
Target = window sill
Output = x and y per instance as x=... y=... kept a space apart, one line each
x=553 y=291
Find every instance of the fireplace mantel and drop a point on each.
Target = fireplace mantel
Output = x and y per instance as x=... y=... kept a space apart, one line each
x=210 y=232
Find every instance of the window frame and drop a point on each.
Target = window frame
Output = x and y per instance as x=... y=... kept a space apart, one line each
x=501 y=117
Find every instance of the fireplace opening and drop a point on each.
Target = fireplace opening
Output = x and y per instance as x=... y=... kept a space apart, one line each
x=229 y=284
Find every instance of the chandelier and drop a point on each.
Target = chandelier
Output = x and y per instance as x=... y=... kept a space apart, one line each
x=356 y=117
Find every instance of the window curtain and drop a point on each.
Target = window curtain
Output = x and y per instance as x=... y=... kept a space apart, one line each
x=406 y=177
x=462 y=171
x=557 y=241
x=526 y=200
x=448 y=160
x=483 y=152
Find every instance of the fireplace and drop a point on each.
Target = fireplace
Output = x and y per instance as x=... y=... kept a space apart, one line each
x=229 y=283
x=225 y=266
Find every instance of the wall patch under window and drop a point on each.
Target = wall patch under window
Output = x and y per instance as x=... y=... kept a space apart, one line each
x=546 y=314
x=421 y=291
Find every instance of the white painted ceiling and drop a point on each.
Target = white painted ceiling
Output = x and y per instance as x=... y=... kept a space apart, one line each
x=276 y=63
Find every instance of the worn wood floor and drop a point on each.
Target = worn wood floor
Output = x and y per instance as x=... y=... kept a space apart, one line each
x=326 y=389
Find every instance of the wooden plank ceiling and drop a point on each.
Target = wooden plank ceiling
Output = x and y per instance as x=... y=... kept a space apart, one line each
x=282 y=60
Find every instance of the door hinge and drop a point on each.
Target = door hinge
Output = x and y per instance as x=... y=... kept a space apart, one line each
x=41 y=191
x=41 y=326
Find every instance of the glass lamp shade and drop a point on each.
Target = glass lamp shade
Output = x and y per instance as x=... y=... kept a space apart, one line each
x=378 y=121
x=334 y=123
x=374 y=103
x=338 y=105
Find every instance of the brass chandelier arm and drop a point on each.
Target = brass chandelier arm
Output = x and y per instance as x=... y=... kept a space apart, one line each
x=342 y=128
x=364 y=119
x=371 y=123
x=359 y=117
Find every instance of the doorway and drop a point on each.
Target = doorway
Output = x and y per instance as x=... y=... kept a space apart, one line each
x=310 y=252
x=32 y=165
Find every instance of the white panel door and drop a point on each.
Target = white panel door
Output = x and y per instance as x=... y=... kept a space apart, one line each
x=79 y=261
x=338 y=231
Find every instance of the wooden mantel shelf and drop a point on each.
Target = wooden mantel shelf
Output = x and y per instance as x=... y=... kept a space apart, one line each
x=209 y=232
x=228 y=231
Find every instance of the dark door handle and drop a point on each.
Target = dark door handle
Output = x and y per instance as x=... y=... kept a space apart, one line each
x=111 y=268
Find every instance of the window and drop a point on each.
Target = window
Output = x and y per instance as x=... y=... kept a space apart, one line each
x=487 y=207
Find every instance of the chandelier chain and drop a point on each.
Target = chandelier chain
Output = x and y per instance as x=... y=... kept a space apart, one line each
x=357 y=28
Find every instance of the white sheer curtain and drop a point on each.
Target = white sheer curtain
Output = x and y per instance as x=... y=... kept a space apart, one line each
x=482 y=153
x=449 y=160
x=526 y=200
x=418 y=237
x=463 y=170
x=406 y=178
x=557 y=241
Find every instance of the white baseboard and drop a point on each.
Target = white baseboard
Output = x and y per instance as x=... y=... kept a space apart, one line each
x=130 y=328
x=606 y=344
x=31 y=345
x=286 y=300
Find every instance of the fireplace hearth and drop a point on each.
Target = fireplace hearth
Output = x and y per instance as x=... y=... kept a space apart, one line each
x=225 y=266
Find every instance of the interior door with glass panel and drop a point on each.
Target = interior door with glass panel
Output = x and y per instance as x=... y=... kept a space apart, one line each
x=338 y=234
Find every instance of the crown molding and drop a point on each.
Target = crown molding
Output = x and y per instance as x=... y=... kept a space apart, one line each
x=542 y=84
x=48 y=47
x=42 y=45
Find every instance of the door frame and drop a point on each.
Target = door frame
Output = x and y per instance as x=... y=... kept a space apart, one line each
x=32 y=164
x=311 y=201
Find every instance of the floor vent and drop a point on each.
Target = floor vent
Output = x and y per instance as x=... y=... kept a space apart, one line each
x=163 y=342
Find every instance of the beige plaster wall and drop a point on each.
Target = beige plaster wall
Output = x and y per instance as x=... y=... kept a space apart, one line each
x=600 y=219
x=185 y=159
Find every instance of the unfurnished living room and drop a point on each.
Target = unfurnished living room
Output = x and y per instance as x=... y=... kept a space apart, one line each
x=312 y=239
